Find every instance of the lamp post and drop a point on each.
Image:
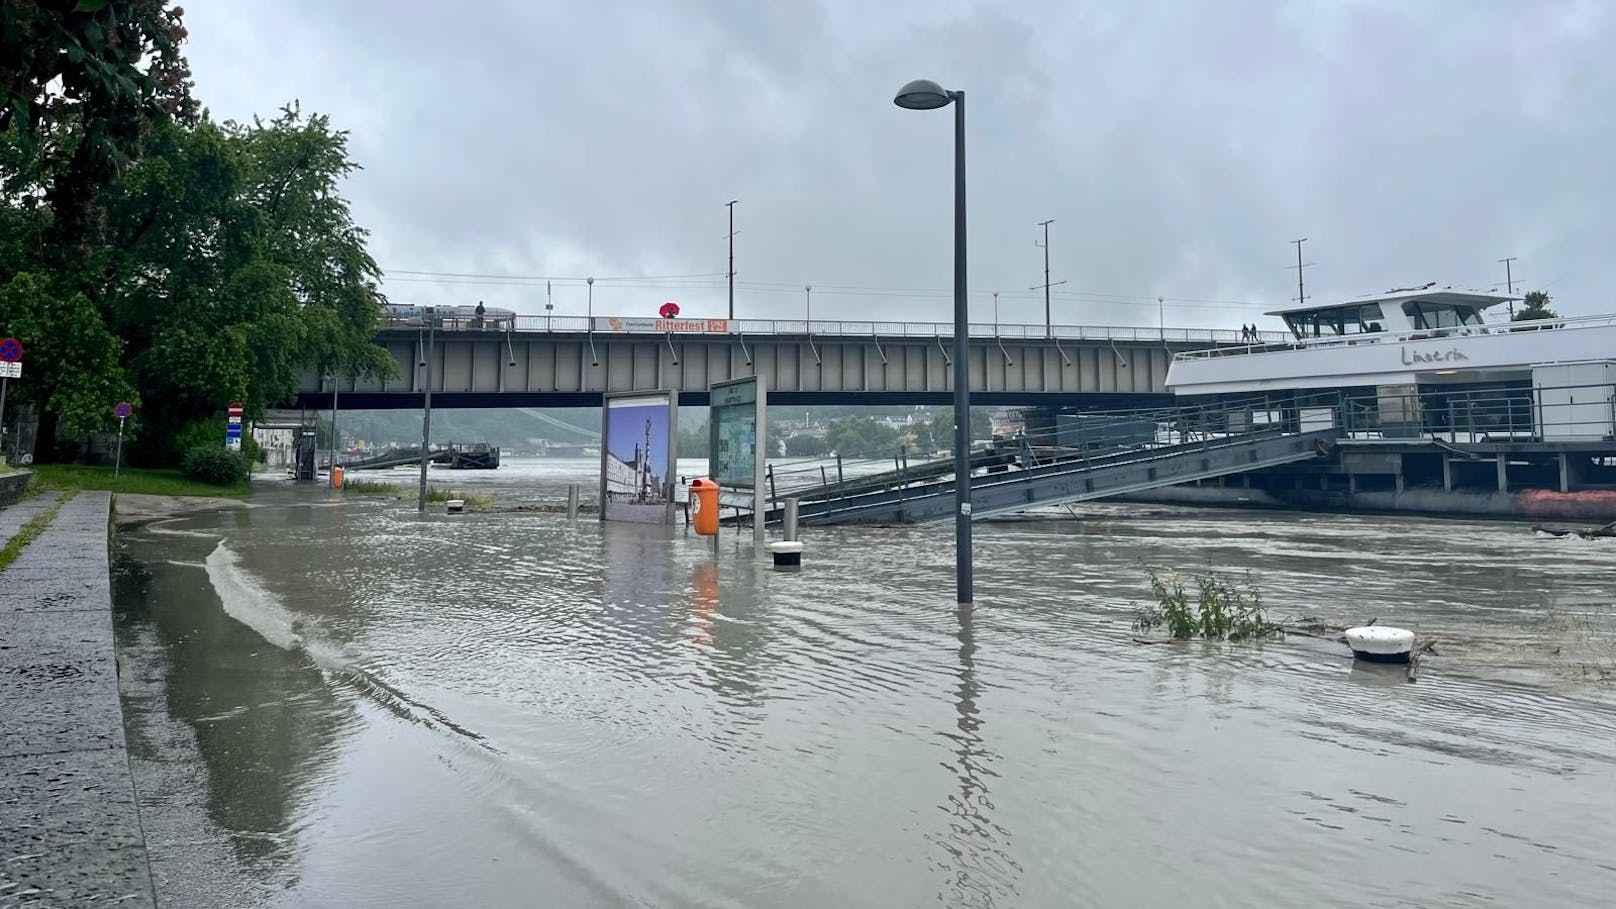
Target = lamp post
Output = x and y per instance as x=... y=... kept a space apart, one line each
x=591 y=303
x=431 y=314
x=924 y=94
x=336 y=437
x=808 y=306
x=995 y=314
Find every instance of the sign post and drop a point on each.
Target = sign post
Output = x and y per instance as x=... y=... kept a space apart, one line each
x=232 y=428
x=10 y=368
x=122 y=412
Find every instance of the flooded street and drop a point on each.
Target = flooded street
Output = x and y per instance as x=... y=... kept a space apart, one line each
x=334 y=702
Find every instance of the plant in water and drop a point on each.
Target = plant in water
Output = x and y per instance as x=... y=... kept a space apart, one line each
x=1223 y=608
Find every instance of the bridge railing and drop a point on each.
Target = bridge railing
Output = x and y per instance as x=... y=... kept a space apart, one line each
x=826 y=327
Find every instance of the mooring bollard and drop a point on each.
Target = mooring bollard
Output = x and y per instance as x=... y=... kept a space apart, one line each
x=787 y=554
x=789 y=520
x=455 y=506
x=572 y=502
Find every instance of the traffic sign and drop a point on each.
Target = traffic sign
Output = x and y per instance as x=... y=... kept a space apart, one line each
x=232 y=430
x=10 y=370
x=123 y=410
x=10 y=350
x=235 y=410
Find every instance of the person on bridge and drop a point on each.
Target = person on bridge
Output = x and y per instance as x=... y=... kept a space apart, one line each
x=480 y=311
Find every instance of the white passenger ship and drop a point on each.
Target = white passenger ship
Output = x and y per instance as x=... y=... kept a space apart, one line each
x=1409 y=338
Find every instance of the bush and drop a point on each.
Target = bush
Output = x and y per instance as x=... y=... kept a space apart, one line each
x=210 y=431
x=1224 y=608
x=213 y=463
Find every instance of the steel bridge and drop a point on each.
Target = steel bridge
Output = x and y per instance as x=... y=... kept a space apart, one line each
x=534 y=361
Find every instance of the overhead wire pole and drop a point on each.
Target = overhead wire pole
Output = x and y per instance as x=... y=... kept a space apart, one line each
x=1301 y=293
x=1049 y=328
x=731 y=206
x=1509 y=284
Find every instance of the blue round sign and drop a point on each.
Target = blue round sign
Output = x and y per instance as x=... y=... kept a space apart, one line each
x=123 y=410
x=10 y=350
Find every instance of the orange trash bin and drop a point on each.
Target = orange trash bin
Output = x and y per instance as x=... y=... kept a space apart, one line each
x=704 y=506
x=336 y=477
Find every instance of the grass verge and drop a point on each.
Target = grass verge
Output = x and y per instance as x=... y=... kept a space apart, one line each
x=133 y=480
x=27 y=532
x=474 y=501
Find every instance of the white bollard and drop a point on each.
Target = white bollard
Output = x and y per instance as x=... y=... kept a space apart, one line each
x=1380 y=643
x=787 y=554
x=455 y=506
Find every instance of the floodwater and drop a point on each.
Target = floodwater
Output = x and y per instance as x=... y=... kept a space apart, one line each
x=335 y=702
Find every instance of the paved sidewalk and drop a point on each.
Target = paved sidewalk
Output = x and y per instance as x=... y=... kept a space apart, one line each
x=69 y=830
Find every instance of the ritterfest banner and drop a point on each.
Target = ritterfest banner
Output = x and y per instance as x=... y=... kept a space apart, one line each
x=677 y=326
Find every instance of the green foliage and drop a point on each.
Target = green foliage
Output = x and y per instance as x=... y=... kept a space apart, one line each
x=475 y=501
x=209 y=432
x=215 y=465
x=860 y=437
x=1535 y=306
x=158 y=482
x=221 y=263
x=803 y=445
x=72 y=358
x=1223 y=608
x=80 y=85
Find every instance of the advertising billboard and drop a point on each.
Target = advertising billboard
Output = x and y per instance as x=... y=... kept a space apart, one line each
x=637 y=455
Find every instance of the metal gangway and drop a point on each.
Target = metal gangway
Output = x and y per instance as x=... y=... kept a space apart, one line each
x=1152 y=448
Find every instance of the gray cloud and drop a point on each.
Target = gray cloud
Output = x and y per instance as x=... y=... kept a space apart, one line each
x=1179 y=146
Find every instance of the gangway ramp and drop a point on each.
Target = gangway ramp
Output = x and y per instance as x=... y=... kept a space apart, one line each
x=1196 y=445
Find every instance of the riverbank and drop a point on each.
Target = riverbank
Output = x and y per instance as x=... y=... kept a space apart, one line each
x=70 y=830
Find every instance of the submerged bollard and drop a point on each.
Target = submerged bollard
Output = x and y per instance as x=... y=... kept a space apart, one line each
x=788 y=521
x=572 y=502
x=787 y=554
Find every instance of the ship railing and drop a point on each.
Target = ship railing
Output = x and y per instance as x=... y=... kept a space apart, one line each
x=1517 y=413
x=1288 y=342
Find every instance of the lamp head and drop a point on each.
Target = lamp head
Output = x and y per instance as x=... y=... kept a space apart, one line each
x=922 y=94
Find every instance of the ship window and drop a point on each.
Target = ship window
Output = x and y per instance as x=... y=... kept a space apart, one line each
x=1336 y=322
x=1437 y=315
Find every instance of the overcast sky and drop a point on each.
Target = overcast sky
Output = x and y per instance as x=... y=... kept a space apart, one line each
x=1178 y=146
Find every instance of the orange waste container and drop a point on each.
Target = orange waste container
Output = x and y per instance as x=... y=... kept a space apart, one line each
x=704 y=506
x=336 y=477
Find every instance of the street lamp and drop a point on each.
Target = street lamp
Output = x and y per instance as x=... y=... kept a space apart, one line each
x=336 y=437
x=808 y=306
x=431 y=314
x=924 y=94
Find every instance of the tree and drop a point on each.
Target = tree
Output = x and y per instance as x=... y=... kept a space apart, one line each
x=222 y=263
x=1536 y=307
x=81 y=83
x=804 y=445
x=861 y=437
x=943 y=425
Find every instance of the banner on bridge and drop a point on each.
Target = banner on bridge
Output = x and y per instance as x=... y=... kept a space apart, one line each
x=677 y=326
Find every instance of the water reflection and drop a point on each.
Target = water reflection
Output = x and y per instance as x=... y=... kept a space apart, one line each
x=266 y=726
x=978 y=867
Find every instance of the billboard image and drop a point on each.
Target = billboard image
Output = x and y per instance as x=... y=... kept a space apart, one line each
x=637 y=458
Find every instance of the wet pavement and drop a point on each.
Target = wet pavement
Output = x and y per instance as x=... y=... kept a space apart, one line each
x=69 y=829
